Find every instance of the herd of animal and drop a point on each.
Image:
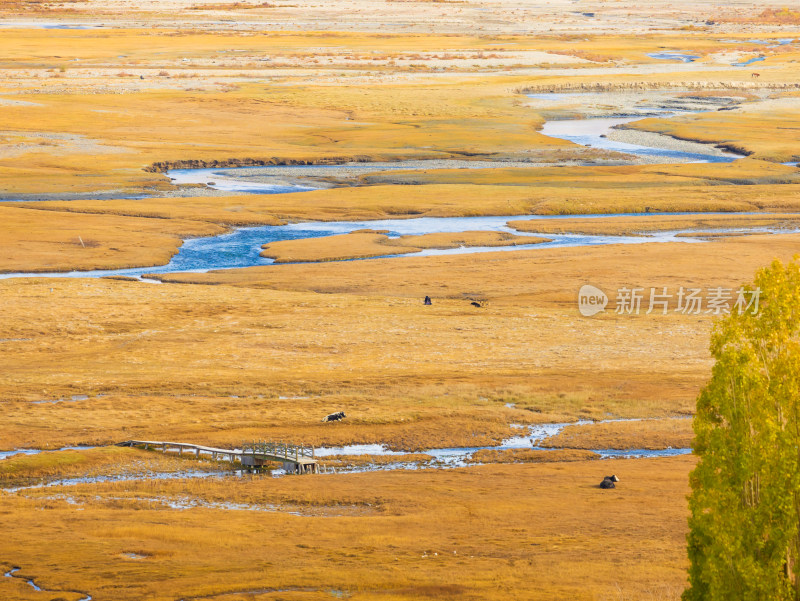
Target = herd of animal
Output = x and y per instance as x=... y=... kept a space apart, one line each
x=428 y=301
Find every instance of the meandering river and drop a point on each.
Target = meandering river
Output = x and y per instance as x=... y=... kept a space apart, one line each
x=242 y=247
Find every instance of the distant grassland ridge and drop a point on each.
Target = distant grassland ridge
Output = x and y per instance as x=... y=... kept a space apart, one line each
x=779 y=16
x=656 y=85
x=164 y=166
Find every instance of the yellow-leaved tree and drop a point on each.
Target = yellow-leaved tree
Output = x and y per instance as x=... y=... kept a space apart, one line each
x=744 y=538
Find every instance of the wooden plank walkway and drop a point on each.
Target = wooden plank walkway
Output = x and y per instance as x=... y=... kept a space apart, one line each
x=295 y=459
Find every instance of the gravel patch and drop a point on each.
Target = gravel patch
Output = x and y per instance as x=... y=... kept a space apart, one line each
x=655 y=140
x=352 y=170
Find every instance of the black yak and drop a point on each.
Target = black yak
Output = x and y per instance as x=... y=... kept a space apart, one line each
x=609 y=482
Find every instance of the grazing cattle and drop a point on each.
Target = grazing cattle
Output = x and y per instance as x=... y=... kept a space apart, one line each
x=755 y=75
x=475 y=304
x=334 y=417
x=609 y=482
x=427 y=301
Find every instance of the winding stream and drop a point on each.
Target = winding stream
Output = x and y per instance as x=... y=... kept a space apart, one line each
x=12 y=573
x=7 y=454
x=242 y=247
x=532 y=438
x=594 y=132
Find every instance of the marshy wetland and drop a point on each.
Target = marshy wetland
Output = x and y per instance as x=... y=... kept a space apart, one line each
x=219 y=223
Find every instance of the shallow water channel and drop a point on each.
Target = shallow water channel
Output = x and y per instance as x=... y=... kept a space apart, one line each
x=12 y=573
x=242 y=247
x=529 y=437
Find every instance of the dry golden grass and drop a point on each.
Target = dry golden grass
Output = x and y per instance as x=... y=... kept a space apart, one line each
x=333 y=248
x=210 y=364
x=267 y=352
x=212 y=121
x=776 y=16
x=364 y=245
x=81 y=463
x=531 y=456
x=710 y=235
x=499 y=530
x=436 y=200
x=231 y=6
x=34 y=6
x=18 y=589
x=105 y=122
x=645 y=434
x=246 y=210
x=43 y=241
x=532 y=278
x=631 y=226
x=679 y=175
x=336 y=461
x=466 y=239
x=764 y=131
x=442 y=200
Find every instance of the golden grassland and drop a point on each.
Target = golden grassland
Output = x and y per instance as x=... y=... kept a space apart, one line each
x=270 y=356
x=82 y=463
x=444 y=200
x=782 y=16
x=172 y=123
x=439 y=200
x=631 y=226
x=499 y=530
x=762 y=130
x=350 y=461
x=644 y=434
x=681 y=175
x=536 y=278
x=44 y=241
x=531 y=456
x=467 y=239
x=710 y=235
x=116 y=234
x=111 y=124
x=556 y=18
x=334 y=248
x=224 y=364
x=264 y=353
x=364 y=245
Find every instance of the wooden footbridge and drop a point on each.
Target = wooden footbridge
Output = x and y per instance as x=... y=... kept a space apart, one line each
x=295 y=459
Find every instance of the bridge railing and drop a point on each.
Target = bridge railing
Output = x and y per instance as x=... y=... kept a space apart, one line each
x=278 y=449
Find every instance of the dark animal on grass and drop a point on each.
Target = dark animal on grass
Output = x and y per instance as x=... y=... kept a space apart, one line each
x=475 y=304
x=334 y=417
x=427 y=301
x=609 y=482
